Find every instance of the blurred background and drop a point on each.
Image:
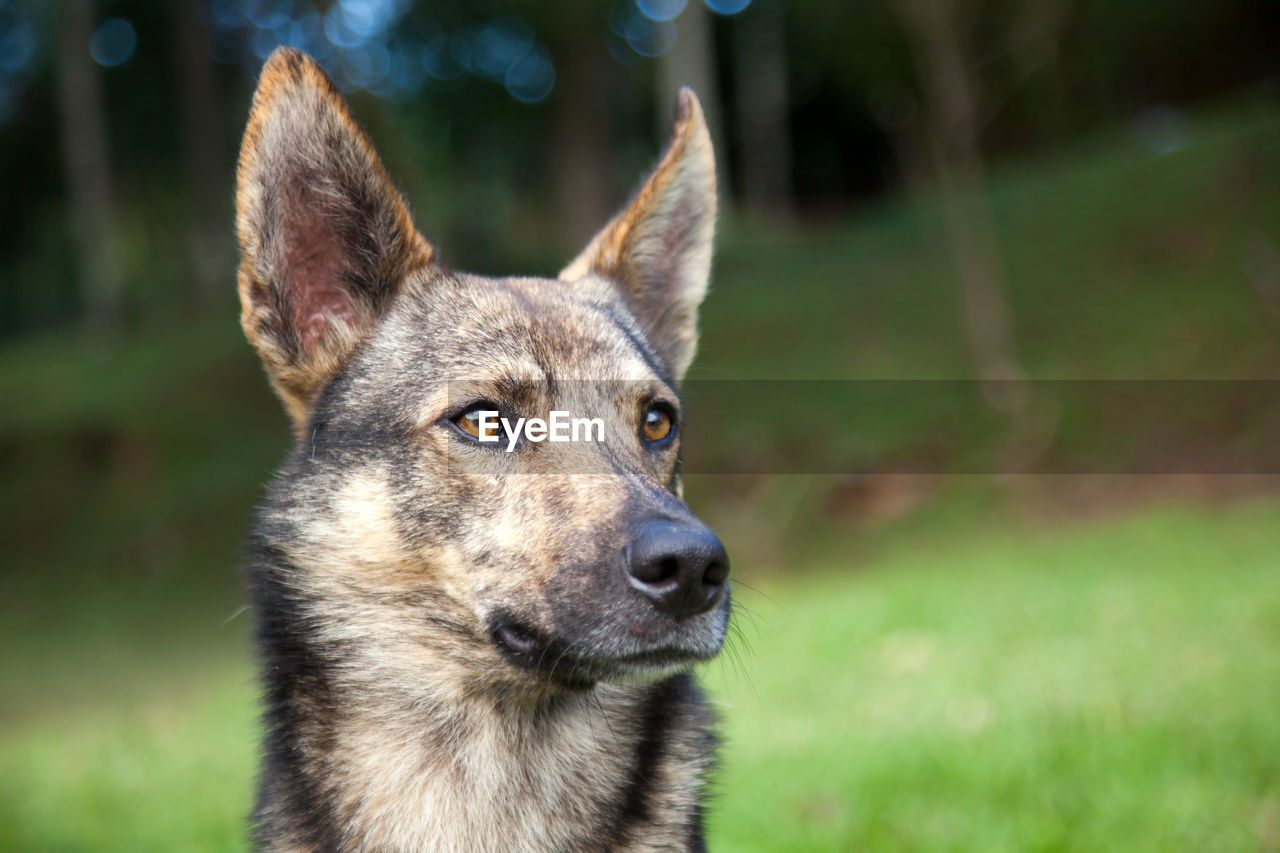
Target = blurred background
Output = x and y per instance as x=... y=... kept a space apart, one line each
x=1057 y=658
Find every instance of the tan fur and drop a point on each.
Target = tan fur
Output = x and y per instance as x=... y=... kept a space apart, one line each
x=459 y=802
x=662 y=240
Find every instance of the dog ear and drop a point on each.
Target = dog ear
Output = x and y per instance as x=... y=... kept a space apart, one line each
x=659 y=247
x=325 y=239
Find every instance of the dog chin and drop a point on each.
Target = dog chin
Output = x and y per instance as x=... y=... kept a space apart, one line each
x=572 y=666
x=646 y=673
x=641 y=669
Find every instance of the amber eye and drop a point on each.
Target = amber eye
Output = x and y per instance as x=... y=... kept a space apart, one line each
x=469 y=422
x=658 y=425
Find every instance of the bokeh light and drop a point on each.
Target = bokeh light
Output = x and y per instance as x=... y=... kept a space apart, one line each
x=361 y=46
x=648 y=37
x=113 y=42
x=19 y=46
x=660 y=10
x=445 y=57
x=727 y=7
x=531 y=77
x=649 y=28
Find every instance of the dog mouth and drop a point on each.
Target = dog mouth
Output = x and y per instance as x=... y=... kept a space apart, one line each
x=568 y=666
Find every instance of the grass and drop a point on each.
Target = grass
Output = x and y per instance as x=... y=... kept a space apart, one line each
x=1106 y=686
x=169 y=771
x=1097 y=686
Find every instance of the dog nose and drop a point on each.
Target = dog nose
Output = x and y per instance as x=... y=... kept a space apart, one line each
x=680 y=566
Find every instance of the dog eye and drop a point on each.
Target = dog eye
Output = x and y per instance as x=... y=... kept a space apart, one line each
x=658 y=425
x=469 y=422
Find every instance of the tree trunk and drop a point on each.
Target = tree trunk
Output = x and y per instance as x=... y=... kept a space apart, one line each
x=86 y=171
x=582 y=144
x=761 y=62
x=951 y=90
x=208 y=259
x=692 y=62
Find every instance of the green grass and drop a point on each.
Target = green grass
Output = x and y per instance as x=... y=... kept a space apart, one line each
x=164 y=772
x=1096 y=686
x=1109 y=686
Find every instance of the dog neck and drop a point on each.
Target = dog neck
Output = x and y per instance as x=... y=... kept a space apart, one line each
x=369 y=747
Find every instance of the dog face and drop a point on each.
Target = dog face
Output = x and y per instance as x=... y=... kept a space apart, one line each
x=515 y=561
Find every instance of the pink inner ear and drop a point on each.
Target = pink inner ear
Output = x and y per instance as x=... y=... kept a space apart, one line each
x=315 y=282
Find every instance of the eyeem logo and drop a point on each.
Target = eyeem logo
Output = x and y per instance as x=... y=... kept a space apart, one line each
x=561 y=427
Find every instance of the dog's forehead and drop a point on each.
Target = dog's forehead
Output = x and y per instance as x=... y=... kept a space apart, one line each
x=537 y=327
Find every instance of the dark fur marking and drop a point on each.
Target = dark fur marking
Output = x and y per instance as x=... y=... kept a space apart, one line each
x=298 y=705
x=634 y=804
x=697 y=839
x=647 y=353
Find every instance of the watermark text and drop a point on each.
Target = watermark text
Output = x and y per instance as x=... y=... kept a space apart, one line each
x=561 y=426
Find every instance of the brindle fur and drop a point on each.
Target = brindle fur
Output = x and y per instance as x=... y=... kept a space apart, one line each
x=387 y=551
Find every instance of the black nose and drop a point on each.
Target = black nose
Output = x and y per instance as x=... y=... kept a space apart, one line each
x=680 y=566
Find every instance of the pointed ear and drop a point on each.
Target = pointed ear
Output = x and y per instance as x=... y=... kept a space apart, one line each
x=658 y=248
x=325 y=239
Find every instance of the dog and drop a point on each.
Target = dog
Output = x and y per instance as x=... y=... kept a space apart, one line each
x=465 y=648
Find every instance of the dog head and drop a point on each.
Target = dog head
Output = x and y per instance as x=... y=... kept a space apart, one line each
x=404 y=525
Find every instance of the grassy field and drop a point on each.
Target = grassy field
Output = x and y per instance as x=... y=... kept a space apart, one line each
x=1103 y=686
x=969 y=675
x=1096 y=686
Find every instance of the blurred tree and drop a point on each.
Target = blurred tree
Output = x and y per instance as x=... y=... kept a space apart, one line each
x=826 y=105
x=692 y=62
x=953 y=104
x=582 y=154
x=948 y=78
x=764 y=133
x=86 y=169
x=207 y=257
